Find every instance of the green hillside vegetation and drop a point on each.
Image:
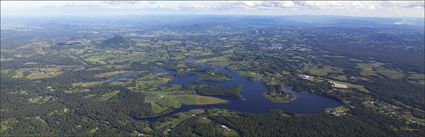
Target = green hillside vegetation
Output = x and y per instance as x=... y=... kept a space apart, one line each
x=117 y=42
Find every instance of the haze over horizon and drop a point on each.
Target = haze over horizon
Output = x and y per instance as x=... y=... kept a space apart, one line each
x=98 y=8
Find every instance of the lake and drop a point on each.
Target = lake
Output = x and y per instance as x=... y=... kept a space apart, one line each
x=253 y=101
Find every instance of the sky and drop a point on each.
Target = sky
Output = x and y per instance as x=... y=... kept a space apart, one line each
x=103 y=8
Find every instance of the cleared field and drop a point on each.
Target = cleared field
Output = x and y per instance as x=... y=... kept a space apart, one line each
x=164 y=102
x=19 y=73
x=44 y=73
x=6 y=124
x=350 y=85
x=374 y=68
x=72 y=91
x=41 y=99
x=221 y=60
x=150 y=82
x=394 y=74
x=96 y=60
x=323 y=70
x=109 y=95
x=204 y=100
x=38 y=73
x=366 y=69
x=86 y=84
x=171 y=88
x=416 y=76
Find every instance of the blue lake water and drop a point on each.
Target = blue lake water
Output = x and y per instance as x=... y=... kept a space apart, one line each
x=124 y=75
x=253 y=101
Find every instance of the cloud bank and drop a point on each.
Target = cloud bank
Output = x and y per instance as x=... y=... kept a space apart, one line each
x=356 y=8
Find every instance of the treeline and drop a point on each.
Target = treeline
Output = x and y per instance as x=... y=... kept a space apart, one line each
x=214 y=89
x=273 y=124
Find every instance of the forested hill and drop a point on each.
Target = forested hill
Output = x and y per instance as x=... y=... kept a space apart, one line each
x=117 y=42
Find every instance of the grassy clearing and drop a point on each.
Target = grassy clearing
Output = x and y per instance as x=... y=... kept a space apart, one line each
x=5 y=59
x=375 y=68
x=342 y=108
x=19 y=73
x=323 y=70
x=109 y=95
x=391 y=73
x=171 y=88
x=96 y=60
x=44 y=73
x=204 y=100
x=41 y=99
x=6 y=124
x=163 y=102
x=350 y=85
x=221 y=60
x=86 y=84
x=150 y=82
x=89 y=96
x=119 y=83
x=37 y=73
x=366 y=69
x=341 y=77
x=416 y=78
x=74 y=91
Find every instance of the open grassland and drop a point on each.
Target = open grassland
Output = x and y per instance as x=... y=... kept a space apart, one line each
x=171 y=88
x=323 y=70
x=109 y=95
x=150 y=82
x=163 y=102
x=6 y=124
x=366 y=69
x=416 y=76
x=374 y=68
x=341 y=77
x=41 y=99
x=86 y=84
x=38 y=73
x=19 y=73
x=73 y=91
x=96 y=60
x=391 y=73
x=360 y=88
x=220 y=60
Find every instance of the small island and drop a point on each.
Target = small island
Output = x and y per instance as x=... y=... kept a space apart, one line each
x=277 y=94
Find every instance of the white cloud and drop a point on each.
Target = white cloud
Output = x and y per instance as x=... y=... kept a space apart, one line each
x=358 y=8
